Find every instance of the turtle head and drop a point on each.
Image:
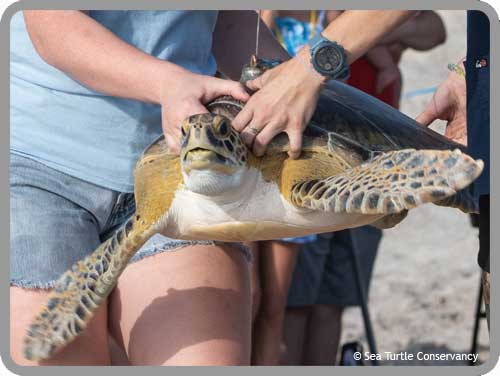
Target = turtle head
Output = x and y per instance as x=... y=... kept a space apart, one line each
x=213 y=156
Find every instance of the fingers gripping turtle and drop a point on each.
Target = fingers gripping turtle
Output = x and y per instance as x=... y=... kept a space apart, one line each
x=79 y=292
x=390 y=183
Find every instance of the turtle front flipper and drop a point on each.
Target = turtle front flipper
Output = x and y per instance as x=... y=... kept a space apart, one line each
x=79 y=291
x=390 y=183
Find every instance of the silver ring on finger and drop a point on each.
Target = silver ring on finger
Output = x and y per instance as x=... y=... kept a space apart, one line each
x=253 y=131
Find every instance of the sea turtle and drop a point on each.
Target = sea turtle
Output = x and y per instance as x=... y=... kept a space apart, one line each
x=362 y=162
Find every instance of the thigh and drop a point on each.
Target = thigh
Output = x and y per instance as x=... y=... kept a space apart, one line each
x=89 y=348
x=187 y=307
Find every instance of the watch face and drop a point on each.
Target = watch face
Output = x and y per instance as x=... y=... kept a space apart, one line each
x=328 y=58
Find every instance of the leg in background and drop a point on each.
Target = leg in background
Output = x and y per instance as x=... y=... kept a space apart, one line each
x=323 y=335
x=254 y=278
x=294 y=334
x=277 y=262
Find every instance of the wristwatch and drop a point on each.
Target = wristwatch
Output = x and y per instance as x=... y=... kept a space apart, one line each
x=328 y=58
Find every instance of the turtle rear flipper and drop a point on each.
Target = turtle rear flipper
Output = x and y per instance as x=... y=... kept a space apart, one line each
x=79 y=291
x=463 y=200
x=390 y=220
x=390 y=183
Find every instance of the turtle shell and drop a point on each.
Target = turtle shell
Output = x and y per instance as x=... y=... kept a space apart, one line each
x=349 y=120
x=353 y=115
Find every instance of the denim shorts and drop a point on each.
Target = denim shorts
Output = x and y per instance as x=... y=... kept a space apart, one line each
x=57 y=219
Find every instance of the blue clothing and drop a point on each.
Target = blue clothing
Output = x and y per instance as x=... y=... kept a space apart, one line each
x=301 y=239
x=477 y=67
x=98 y=138
x=294 y=34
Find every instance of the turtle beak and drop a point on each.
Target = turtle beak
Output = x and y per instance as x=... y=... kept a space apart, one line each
x=195 y=155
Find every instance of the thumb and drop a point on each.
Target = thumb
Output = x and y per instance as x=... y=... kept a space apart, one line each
x=257 y=83
x=428 y=115
x=173 y=144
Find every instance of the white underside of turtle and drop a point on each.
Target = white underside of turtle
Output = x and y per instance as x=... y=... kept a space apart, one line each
x=255 y=211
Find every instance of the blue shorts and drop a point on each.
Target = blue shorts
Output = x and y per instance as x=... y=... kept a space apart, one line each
x=324 y=273
x=57 y=219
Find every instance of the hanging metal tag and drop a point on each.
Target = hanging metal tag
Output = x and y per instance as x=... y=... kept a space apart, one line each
x=253 y=59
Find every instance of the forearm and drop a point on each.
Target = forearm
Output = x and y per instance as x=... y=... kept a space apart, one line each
x=422 y=32
x=358 y=31
x=82 y=48
x=234 y=41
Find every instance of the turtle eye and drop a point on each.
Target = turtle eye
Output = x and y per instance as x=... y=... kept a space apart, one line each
x=184 y=128
x=223 y=128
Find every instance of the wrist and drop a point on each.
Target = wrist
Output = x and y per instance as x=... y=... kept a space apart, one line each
x=304 y=58
x=167 y=81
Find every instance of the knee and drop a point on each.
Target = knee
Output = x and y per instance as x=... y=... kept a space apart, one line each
x=273 y=304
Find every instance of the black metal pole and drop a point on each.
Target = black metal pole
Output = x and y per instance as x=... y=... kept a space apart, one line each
x=362 y=297
x=477 y=319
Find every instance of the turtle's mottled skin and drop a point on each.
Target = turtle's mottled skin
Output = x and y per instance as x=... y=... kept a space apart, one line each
x=362 y=162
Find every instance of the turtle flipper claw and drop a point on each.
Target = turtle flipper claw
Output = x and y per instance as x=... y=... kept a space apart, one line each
x=391 y=183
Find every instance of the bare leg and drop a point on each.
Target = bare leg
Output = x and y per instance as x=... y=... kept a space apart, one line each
x=323 y=335
x=294 y=335
x=117 y=353
x=255 y=281
x=277 y=262
x=89 y=348
x=187 y=307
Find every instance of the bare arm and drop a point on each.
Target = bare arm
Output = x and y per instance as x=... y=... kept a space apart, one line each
x=288 y=94
x=234 y=41
x=359 y=30
x=81 y=47
x=422 y=32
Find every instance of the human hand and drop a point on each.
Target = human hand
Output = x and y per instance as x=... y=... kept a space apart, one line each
x=285 y=102
x=449 y=103
x=186 y=94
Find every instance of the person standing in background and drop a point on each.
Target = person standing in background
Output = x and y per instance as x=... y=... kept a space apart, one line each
x=463 y=100
x=323 y=282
